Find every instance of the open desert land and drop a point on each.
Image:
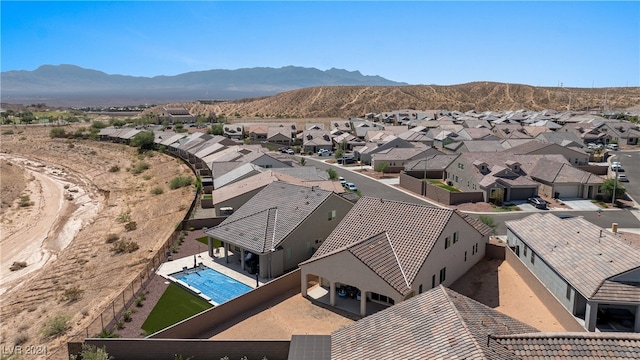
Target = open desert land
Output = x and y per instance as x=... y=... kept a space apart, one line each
x=61 y=200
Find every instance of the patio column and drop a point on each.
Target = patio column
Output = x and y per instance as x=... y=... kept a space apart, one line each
x=242 y=259
x=363 y=303
x=332 y=293
x=591 y=315
x=637 y=325
x=210 y=245
x=226 y=252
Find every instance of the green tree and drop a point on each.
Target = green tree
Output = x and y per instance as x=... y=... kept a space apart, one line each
x=489 y=221
x=143 y=140
x=332 y=174
x=338 y=154
x=216 y=129
x=496 y=196
x=608 y=186
x=381 y=167
x=303 y=161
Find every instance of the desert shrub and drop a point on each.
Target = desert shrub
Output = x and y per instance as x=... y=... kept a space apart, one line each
x=120 y=324
x=25 y=201
x=73 y=294
x=122 y=246
x=17 y=265
x=126 y=316
x=57 y=132
x=114 y=168
x=56 y=325
x=140 y=167
x=90 y=352
x=111 y=238
x=157 y=190
x=92 y=152
x=124 y=217
x=332 y=174
x=20 y=339
x=130 y=226
x=70 y=145
x=7 y=132
x=147 y=177
x=180 y=181
x=99 y=125
x=106 y=334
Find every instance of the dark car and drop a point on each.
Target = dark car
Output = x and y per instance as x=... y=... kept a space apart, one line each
x=346 y=160
x=537 y=202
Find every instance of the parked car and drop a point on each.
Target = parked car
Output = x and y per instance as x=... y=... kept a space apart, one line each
x=342 y=180
x=537 y=202
x=347 y=160
x=616 y=166
x=351 y=186
x=613 y=147
x=324 y=152
x=622 y=177
x=290 y=151
x=594 y=146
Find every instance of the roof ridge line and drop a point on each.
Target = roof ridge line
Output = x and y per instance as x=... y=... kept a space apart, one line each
x=395 y=255
x=462 y=320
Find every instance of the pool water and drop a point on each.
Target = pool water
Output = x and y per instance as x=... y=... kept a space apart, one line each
x=219 y=287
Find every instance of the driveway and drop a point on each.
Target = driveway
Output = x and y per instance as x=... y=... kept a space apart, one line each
x=580 y=204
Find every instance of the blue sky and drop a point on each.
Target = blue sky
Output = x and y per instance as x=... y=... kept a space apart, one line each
x=578 y=44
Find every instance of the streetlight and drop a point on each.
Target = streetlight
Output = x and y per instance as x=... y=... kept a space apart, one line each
x=615 y=183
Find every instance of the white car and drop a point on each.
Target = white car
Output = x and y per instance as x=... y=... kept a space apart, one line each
x=342 y=181
x=351 y=187
x=613 y=147
x=622 y=177
x=324 y=152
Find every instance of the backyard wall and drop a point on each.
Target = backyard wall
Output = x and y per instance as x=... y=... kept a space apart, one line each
x=495 y=249
x=204 y=322
x=553 y=305
x=412 y=184
x=452 y=198
x=153 y=349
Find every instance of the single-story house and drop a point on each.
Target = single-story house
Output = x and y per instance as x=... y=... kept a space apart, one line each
x=593 y=273
x=391 y=251
x=561 y=180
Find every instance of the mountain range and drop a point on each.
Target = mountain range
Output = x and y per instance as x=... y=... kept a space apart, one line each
x=70 y=85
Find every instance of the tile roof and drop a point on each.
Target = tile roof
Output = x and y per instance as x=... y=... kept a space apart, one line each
x=263 y=222
x=435 y=162
x=584 y=254
x=621 y=291
x=411 y=230
x=438 y=324
x=583 y=345
x=561 y=173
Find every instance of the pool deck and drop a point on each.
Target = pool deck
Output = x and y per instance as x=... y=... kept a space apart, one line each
x=231 y=269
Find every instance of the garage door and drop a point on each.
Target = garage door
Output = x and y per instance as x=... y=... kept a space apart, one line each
x=522 y=193
x=566 y=191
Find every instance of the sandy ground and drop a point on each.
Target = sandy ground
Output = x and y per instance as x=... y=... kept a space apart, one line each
x=74 y=203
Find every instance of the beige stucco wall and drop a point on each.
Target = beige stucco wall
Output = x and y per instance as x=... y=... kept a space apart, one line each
x=235 y=202
x=308 y=236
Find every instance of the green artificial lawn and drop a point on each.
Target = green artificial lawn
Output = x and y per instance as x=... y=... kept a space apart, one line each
x=176 y=304
x=216 y=242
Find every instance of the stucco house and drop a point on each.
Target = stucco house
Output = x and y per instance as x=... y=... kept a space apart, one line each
x=281 y=225
x=439 y=324
x=391 y=251
x=574 y=156
x=497 y=173
x=622 y=132
x=561 y=180
x=397 y=158
x=314 y=140
x=363 y=153
x=591 y=271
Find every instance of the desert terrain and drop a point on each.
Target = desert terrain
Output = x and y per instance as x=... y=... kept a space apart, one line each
x=64 y=202
x=346 y=101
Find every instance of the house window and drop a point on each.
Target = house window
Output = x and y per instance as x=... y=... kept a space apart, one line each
x=447 y=242
x=476 y=247
x=420 y=289
x=568 y=294
x=433 y=281
x=533 y=257
x=443 y=274
x=473 y=250
x=525 y=251
x=332 y=215
x=456 y=178
x=465 y=256
x=455 y=237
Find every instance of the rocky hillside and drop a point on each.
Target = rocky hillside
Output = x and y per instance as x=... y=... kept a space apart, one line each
x=344 y=101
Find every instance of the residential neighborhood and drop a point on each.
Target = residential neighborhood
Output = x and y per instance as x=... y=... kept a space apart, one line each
x=388 y=264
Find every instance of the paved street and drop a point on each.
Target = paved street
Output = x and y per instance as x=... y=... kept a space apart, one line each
x=630 y=161
x=372 y=187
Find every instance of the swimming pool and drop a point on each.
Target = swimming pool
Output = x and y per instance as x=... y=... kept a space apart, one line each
x=219 y=287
